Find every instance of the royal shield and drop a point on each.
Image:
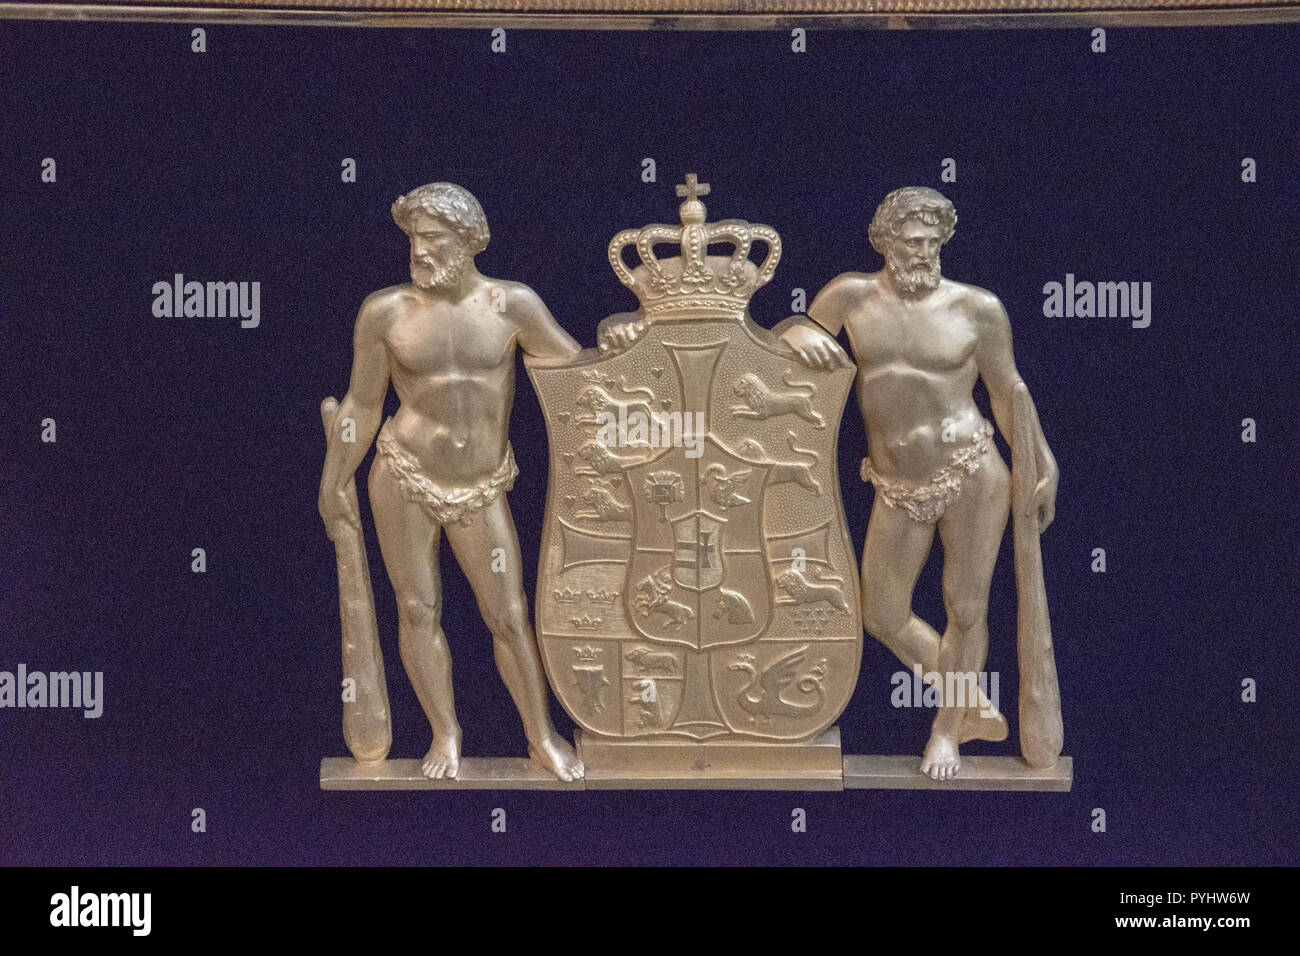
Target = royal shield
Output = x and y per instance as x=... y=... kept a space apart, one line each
x=696 y=578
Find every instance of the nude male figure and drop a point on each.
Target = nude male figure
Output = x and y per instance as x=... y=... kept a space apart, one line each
x=920 y=342
x=447 y=342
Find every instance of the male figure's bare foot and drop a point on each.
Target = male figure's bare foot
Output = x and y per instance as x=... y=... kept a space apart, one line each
x=443 y=758
x=941 y=760
x=983 y=723
x=558 y=756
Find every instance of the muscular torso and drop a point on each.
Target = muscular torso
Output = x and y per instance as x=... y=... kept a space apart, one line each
x=452 y=366
x=916 y=371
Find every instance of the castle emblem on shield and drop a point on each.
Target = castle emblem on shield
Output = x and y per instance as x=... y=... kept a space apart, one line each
x=693 y=475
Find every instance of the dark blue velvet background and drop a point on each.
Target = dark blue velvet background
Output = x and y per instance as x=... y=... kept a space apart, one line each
x=222 y=688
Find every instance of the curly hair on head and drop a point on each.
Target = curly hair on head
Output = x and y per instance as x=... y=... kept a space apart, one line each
x=451 y=203
x=911 y=202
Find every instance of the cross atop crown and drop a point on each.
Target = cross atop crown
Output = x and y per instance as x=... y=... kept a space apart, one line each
x=693 y=212
x=693 y=188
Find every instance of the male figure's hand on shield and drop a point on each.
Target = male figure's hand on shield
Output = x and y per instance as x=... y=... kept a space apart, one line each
x=813 y=347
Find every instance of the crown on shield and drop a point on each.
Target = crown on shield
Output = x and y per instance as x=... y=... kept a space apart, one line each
x=695 y=284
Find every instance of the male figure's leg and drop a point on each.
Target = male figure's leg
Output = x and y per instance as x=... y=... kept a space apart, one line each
x=504 y=607
x=408 y=539
x=971 y=530
x=892 y=558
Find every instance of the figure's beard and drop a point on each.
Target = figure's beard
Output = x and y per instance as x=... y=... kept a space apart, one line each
x=923 y=278
x=433 y=278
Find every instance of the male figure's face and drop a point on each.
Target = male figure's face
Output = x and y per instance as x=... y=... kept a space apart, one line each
x=438 y=253
x=912 y=257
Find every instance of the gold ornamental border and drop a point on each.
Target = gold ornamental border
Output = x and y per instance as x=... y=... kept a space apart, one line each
x=676 y=14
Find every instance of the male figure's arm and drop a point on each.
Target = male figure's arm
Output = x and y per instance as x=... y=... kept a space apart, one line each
x=539 y=334
x=997 y=366
x=364 y=404
x=812 y=337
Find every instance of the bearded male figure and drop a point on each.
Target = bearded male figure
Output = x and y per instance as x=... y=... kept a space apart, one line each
x=447 y=340
x=920 y=342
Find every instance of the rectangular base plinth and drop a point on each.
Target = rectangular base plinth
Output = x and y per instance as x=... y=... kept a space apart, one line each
x=816 y=764
x=977 y=773
x=682 y=765
x=476 y=773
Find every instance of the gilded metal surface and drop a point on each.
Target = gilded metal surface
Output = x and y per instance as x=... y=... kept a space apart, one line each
x=1041 y=731
x=733 y=7
x=367 y=720
x=446 y=342
x=921 y=342
x=977 y=773
x=474 y=773
x=657 y=763
x=697 y=580
x=675 y=15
